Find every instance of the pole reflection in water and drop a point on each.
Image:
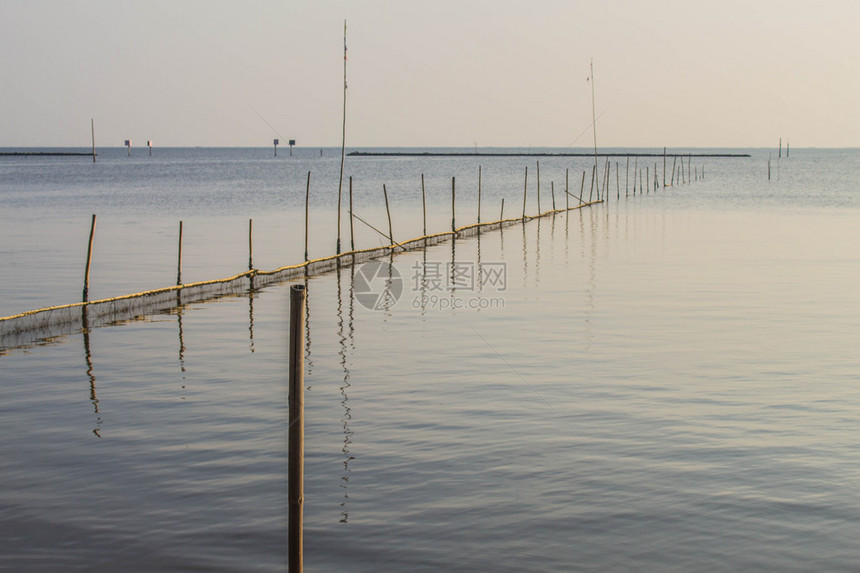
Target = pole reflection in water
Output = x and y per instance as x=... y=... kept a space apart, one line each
x=525 y=257
x=88 y=357
x=179 y=312
x=347 y=413
x=251 y=319
x=309 y=364
x=537 y=255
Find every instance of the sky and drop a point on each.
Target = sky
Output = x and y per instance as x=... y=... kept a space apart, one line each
x=458 y=73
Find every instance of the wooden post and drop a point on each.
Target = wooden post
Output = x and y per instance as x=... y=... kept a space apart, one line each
x=647 y=178
x=635 y=171
x=689 y=162
x=179 y=258
x=502 y=213
x=453 y=204
x=93 y=128
x=768 y=166
x=424 y=204
x=617 y=182
x=538 y=187
x=582 y=187
x=566 y=189
x=351 y=230
x=674 y=159
x=307 y=202
x=296 y=462
x=86 y=293
x=627 y=179
x=388 y=211
x=250 y=244
x=664 y=167
x=780 y=149
x=479 y=194
x=552 y=193
x=525 y=188
x=591 y=188
x=342 y=141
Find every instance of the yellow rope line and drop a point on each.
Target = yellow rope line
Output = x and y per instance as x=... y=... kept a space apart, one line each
x=305 y=264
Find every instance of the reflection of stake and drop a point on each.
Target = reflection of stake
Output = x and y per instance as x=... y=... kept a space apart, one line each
x=388 y=211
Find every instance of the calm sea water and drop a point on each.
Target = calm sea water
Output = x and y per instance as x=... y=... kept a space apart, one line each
x=664 y=382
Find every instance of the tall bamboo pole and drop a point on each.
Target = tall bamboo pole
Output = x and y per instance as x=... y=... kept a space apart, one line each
x=424 y=204
x=453 y=205
x=388 y=211
x=250 y=244
x=179 y=258
x=538 y=187
x=296 y=462
x=342 y=142
x=307 y=203
x=86 y=293
x=567 y=189
x=525 y=189
x=479 y=194
x=93 y=128
x=351 y=218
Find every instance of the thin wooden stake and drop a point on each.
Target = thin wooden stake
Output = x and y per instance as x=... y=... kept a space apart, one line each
x=552 y=192
x=86 y=293
x=479 y=194
x=424 y=204
x=582 y=187
x=351 y=218
x=617 y=182
x=674 y=159
x=250 y=244
x=307 y=203
x=453 y=204
x=179 y=258
x=502 y=213
x=664 y=167
x=538 y=187
x=525 y=189
x=567 y=189
x=627 y=179
x=388 y=211
x=296 y=438
x=93 y=128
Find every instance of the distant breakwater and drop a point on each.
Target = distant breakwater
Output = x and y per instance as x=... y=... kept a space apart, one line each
x=531 y=154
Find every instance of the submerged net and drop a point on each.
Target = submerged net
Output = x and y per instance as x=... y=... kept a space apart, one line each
x=45 y=325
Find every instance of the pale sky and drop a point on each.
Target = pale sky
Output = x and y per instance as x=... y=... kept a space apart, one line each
x=504 y=73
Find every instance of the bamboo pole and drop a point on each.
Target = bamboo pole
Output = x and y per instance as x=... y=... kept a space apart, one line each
x=93 y=128
x=674 y=159
x=664 y=167
x=424 y=204
x=617 y=182
x=593 y=176
x=307 y=202
x=250 y=244
x=502 y=213
x=453 y=205
x=567 y=189
x=388 y=211
x=296 y=462
x=86 y=293
x=582 y=187
x=538 y=187
x=479 y=195
x=635 y=171
x=525 y=189
x=351 y=218
x=552 y=193
x=179 y=258
x=689 y=162
x=627 y=179
x=647 y=178
x=342 y=142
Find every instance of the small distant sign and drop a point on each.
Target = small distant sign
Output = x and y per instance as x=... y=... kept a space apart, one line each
x=277 y=142
x=292 y=142
x=149 y=142
x=128 y=143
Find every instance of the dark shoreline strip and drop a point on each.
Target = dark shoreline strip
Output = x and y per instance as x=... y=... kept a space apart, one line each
x=474 y=154
x=57 y=153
